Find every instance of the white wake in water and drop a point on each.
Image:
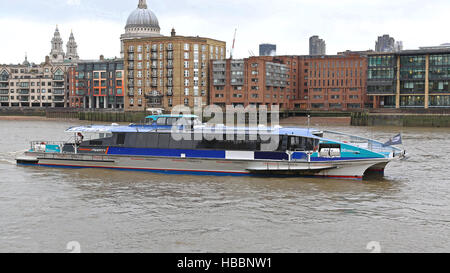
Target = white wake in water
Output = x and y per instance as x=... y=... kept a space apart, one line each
x=10 y=157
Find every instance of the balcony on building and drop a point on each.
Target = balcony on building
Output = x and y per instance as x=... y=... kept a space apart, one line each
x=58 y=78
x=58 y=92
x=153 y=94
x=217 y=82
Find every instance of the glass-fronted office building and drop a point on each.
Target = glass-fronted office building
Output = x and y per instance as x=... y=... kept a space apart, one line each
x=409 y=79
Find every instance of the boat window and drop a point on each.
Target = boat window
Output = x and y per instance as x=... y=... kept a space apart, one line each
x=95 y=143
x=161 y=121
x=298 y=143
x=163 y=141
x=141 y=140
x=120 y=139
x=283 y=146
x=152 y=140
x=150 y=121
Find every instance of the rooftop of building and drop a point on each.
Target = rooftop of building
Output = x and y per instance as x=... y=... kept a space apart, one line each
x=422 y=51
x=106 y=60
x=173 y=38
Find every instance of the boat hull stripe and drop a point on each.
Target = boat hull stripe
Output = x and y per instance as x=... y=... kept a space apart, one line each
x=166 y=152
x=187 y=172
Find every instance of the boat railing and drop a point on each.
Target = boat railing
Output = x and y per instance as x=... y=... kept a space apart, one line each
x=363 y=143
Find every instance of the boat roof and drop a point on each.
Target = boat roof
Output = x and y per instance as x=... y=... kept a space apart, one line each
x=289 y=131
x=155 y=117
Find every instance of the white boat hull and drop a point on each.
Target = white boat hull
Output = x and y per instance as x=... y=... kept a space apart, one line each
x=347 y=169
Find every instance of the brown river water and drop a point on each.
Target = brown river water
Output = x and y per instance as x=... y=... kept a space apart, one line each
x=43 y=209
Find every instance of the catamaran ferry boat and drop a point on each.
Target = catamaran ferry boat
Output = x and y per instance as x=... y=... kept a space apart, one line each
x=151 y=147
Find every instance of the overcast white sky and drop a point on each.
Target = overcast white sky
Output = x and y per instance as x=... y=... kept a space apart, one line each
x=28 y=25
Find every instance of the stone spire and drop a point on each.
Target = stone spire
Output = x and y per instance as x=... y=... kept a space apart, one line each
x=26 y=60
x=57 y=52
x=142 y=4
x=72 y=53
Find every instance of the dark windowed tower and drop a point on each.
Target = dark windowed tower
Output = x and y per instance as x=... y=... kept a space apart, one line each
x=317 y=46
x=267 y=50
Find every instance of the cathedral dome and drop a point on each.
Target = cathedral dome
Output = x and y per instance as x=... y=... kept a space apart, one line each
x=142 y=20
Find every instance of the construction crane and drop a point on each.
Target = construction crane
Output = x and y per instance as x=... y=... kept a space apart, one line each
x=234 y=40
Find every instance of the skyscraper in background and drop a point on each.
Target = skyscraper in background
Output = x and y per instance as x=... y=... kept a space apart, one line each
x=317 y=46
x=386 y=43
x=267 y=50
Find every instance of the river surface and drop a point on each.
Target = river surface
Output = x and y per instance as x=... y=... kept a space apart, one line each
x=43 y=209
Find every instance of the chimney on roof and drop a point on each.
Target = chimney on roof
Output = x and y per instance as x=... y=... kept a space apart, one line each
x=102 y=58
x=173 y=33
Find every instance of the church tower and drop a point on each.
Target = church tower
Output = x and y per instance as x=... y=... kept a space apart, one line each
x=72 y=53
x=141 y=23
x=57 y=52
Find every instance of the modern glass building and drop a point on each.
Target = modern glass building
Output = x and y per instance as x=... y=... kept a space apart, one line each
x=409 y=79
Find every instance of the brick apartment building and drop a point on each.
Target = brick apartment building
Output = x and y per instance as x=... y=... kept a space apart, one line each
x=165 y=71
x=332 y=82
x=162 y=72
x=253 y=81
x=335 y=82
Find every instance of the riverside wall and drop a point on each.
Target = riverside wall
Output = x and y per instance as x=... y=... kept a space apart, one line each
x=373 y=117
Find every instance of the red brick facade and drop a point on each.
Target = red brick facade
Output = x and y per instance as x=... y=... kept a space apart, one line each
x=293 y=82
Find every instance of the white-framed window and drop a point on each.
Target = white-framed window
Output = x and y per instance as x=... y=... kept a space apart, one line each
x=186 y=55
x=186 y=46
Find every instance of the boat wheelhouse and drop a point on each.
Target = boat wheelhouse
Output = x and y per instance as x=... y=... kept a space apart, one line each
x=163 y=145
